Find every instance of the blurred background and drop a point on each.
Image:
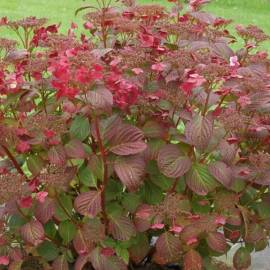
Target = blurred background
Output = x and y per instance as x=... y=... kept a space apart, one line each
x=240 y=11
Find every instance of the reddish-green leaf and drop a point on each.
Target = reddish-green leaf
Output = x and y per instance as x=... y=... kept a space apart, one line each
x=80 y=128
x=171 y=162
x=75 y=149
x=130 y=171
x=45 y=211
x=227 y=151
x=88 y=203
x=139 y=250
x=33 y=232
x=81 y=243
x=128 y=140
x=102 y=262
x=217 y=242
x=57 y=155
x=193 y=260
x=199 y=180
x=100 y=99
x=35 y=164
x=242 y=259
x=168 y=248
x=60 y=263
x=121 y=228
x=153 y=129
x=222 y=172
x=199 y=131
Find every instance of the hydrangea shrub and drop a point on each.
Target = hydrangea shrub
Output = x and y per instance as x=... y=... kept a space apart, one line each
x=145 y=138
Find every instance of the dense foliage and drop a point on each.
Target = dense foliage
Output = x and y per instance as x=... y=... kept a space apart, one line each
x=146 y=138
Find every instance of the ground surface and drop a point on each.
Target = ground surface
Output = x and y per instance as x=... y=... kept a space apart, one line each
x=241 y=11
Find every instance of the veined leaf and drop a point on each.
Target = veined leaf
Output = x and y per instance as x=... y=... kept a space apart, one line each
x=57 y=155
x=88 y=203
x=217 y=242
x=199 y=131
x=130 y=171
x=128 y=140
x=121 y=228
x=199 y=180
x=193 y=260
x=168 y=248
x=60 y=263
x=171 y=162
x=67 y=230
x=75 y=149
x=45 y=211
x=33 y=232
x=80 y=128
x=222 y=172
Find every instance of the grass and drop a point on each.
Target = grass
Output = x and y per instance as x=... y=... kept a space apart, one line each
x=240 y=11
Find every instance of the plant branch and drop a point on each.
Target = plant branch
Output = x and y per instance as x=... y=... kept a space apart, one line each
x=105 y=175
x=13 y=160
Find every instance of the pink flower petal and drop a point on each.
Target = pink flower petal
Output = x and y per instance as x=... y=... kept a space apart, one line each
x=4 y=260
x=157 y=226
x=41 y=196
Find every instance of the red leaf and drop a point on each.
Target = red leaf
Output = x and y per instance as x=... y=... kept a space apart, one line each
x=88 y=203
x=75 y=149
x=217 y=242
x=168 y=248
x=199 y=131
x=143 y=217
x=121 y=228
x=222 y=172
x=128 y=140
x=130 y=171
x=33 y=232
x=193 y=260
x=45 y=211
x=227 y=151
x=81 y=262
x=80 y=243
x=57 y=155
x=171 y=162
x=100 y=99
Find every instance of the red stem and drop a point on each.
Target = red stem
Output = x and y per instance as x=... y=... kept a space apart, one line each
x=13 y=160
x=105 y=175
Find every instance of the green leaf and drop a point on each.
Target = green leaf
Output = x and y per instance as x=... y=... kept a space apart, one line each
x=131 y=201
x=199 y=180
x=48 y=251
x=113 y=190
x=16 y=221
x=66 y=202
x=157 y=178
x=80 y=128
x=87 y=177
x=151 y=193
x=67 y=230
x=50 y=229
x=122 y=253
x=263 y=209
x=35 y=164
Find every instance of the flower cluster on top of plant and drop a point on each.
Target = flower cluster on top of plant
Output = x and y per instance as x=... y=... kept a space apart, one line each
x=146 y=126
